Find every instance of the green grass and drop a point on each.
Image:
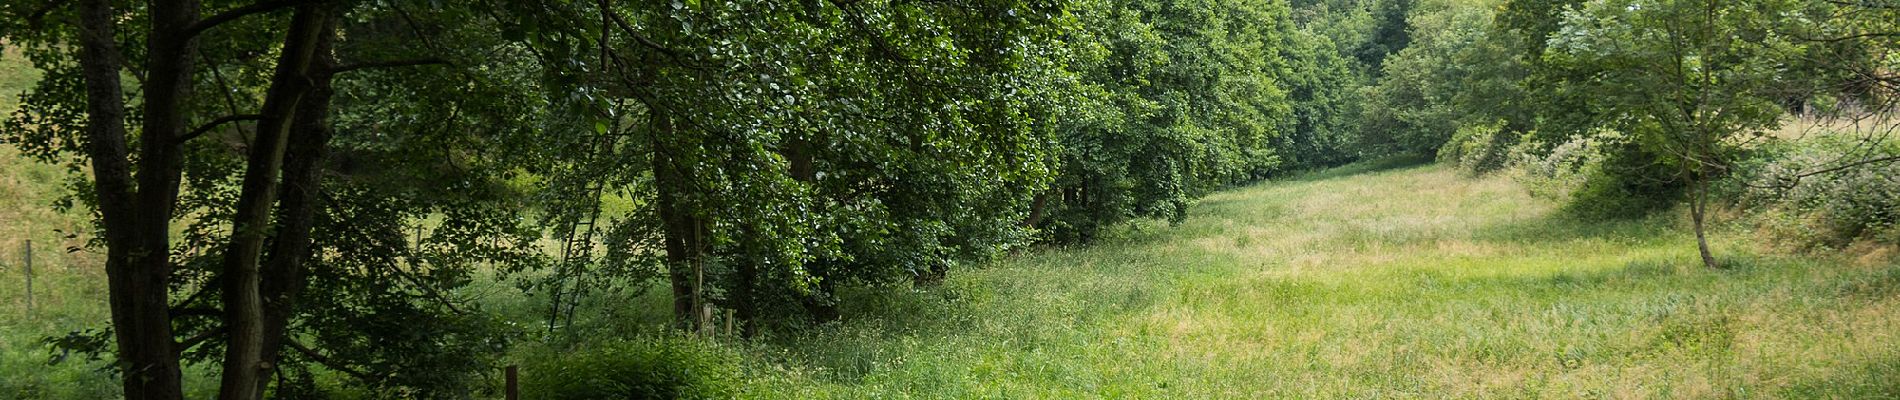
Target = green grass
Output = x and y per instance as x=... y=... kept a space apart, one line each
x=68 y=287
x=1378 y=280
x=1409 y=282
x=16 y=75
x=1396 y=280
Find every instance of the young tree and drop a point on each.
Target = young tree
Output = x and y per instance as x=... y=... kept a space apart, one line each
x=1692 y=80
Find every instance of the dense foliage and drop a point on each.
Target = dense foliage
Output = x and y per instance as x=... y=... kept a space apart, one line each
x=294 y=192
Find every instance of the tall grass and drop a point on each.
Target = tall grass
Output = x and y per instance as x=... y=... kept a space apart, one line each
x=1413 y=282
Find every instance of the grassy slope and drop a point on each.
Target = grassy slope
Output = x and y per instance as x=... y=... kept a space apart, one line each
x=1413 y=282
x=69 y=289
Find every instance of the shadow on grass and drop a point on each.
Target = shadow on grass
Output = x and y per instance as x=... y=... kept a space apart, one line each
x=1387 y=164
x=1558 y=228
x=1392 y=163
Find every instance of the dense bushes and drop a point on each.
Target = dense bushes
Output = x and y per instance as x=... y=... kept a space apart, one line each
x=1600 y=176
x=1628 y=183
x=657 y=367
x=1793 y=190
x=1478 y=149
x=1814 y=192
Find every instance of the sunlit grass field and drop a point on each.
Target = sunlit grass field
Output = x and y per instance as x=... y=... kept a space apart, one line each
x=1406 y=282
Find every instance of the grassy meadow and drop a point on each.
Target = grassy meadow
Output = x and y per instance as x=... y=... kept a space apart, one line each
x=1407 y=282
x=1370 y=281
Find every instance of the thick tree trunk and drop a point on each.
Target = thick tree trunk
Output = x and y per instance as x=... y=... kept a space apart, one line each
x=244 y=366
x=137 y=263
x=284 y=269
x=685 y=230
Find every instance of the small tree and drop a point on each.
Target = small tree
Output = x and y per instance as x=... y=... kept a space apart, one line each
x=1692 y=81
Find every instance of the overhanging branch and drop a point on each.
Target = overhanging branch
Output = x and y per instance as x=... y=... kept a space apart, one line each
x=233 y=14
x=214 y=124
x=194 y=340
x=328 y=362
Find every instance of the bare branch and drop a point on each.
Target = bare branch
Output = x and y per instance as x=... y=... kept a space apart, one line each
x=214 y=124
x=1848 y=165
x=233 y=14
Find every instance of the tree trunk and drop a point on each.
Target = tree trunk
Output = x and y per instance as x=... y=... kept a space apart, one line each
x=137 y=266
x=283 y=271
x=244 y=366
x=685 y=231
x=1037 y=208
x=1698 y=211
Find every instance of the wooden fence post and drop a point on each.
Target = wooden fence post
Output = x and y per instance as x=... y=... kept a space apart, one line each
x=513 y=387
x=29 y=277
x=706 y=328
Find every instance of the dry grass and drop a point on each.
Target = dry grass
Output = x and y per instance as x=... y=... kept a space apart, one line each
x=1404 y=283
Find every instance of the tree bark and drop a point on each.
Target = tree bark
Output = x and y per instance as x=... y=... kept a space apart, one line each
x=1698 y=212
x=685 y=230
x=284 y=268
x=244 y=366
x=1037 y=208
x=138 y=292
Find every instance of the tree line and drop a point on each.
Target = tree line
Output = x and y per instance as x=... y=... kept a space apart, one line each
x=289 y=189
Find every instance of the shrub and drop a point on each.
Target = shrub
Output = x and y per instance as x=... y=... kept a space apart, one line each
x=1479 y=149
x=657 y=367
x=1558 y=172
x=1630 y=182
x=1599 y=176
x=1779 y=188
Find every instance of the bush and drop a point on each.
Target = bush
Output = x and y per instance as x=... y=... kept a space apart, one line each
x=1479 y=149
x=1829 y=209
x=1599 y=176
x=1556 y=173
x=660 y=367
x=1630 y=182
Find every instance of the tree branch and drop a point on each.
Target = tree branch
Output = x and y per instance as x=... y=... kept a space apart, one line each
x=214 y=124
x=194 y=340
x=1849 y=165
x=328 y=362
x=627 y=28
x=233 y=14
x=392 y=64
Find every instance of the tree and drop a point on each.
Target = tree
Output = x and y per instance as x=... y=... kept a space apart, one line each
x=1181 y=98
x=264 y=207
x=782 y=150
x=1692 y=80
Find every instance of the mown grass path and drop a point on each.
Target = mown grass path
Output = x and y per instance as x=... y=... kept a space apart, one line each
x=1411 y=282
